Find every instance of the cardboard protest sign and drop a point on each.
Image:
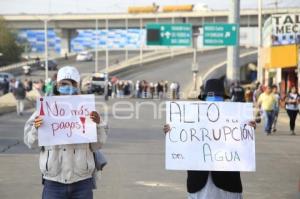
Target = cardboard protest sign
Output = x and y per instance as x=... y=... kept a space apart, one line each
x=212 y=136
x=66 y=120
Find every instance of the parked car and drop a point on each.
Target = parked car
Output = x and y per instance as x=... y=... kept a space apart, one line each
x=52 y=65
x=84 y=56
x=7 y=76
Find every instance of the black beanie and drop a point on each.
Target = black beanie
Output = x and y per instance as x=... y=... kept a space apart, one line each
x=213 y=87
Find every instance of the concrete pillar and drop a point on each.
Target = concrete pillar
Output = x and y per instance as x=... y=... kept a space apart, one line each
x=66 y=35
x=233 y=52
x=278 y=76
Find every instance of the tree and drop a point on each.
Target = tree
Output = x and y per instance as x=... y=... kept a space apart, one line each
x=10 y=50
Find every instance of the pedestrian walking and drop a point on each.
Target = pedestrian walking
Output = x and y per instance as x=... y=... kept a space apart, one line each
x=237 y=93
x=292 y=107
x=160 y=90
x=166 y=88
x=138 y=89
x=266 y=102
x=177 y=90
x=145 y=86
x=248 y=95
x=152 y=89
x=173 y=88
x=276 y=107
x=67 y=170
x=20 y=94
x=5 y=86
x=259 y=89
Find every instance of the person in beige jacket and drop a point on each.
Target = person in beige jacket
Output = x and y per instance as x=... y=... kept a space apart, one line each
x=67 y=170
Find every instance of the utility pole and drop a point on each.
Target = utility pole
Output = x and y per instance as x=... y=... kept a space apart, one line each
x=233 y=52
x=259 y=66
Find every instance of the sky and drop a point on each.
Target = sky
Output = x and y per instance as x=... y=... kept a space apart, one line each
x=113 y=6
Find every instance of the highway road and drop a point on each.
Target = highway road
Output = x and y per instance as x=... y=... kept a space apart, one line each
x=84 y=66
x=135 y=148
x=173 y=69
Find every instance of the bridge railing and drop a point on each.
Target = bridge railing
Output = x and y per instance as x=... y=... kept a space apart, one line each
x=17 y=67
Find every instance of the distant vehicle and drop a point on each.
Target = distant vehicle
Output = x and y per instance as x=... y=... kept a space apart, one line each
x=7 y=76
x=84 y=56
x=26 y=70
x=98 y=83
x=52 y=65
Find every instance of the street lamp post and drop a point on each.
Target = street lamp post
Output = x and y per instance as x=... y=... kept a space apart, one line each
x=96 y=45
x=106 y=63
x=141 y=41
x=46 y=47
x=126 y=47
x=195 y=67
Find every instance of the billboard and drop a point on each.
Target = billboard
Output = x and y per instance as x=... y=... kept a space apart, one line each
x=279 y=56
x=285 y=29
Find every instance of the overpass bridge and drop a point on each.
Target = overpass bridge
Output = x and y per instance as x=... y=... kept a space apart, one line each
x=66 y=26
x=249 y=18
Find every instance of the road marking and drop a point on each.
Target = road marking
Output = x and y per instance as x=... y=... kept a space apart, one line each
x=176 y=187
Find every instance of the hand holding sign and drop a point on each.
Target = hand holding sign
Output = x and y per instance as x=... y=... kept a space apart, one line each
x=95 y=117
x=166 y=128
x=210 y=136
x=66 y=120
x=38 y=121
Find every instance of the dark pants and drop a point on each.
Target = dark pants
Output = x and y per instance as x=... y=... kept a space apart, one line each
x=293 y=116
x=77 y=190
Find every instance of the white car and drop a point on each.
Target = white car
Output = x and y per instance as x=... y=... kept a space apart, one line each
x=84 y=56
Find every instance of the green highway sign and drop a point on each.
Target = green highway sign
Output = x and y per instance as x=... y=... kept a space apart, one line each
x=220 y=34
x=169 y=34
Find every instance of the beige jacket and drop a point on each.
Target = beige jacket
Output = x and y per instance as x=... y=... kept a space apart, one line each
x=65 y=163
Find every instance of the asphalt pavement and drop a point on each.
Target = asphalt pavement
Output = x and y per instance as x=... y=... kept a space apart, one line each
x=135 y=152
x=135 y=149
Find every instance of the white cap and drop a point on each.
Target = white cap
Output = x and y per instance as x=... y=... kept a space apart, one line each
x=68 y=72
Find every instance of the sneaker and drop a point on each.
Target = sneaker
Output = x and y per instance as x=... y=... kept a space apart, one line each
x=274 y=130
x=293 y=133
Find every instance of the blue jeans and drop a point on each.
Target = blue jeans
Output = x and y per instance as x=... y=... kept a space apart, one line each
x=77 y=190
x=268 y=120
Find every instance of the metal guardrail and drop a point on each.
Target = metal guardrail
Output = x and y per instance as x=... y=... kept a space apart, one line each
x=17 y=66
x=152 y=57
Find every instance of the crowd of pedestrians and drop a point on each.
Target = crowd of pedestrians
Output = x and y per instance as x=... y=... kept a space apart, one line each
x=19 y=89
x=269 y=101
x=144 y=89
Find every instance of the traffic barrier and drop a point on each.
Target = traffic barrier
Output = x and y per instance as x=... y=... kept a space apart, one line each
x=14 y=68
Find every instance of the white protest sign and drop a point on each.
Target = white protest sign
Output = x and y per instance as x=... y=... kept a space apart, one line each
x=66 y=120
x=211 y=136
